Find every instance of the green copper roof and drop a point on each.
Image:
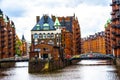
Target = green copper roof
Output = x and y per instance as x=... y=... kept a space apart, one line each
x=57 y=23
x=108 y=22
x=6 y=18
x=46 y=24
x=37 y=26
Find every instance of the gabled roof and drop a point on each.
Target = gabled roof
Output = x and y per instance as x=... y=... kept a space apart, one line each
x=57 y=23
x=45 y=23
x=23 y=38
x=67 y=23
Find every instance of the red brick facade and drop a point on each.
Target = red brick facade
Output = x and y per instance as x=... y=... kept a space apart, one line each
x=94 y=43
x=61 y=34
x=115 y=25
x=7 y=34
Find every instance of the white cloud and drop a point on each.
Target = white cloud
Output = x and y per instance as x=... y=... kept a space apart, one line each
x=91 y=17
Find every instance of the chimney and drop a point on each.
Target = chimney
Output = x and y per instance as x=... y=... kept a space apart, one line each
x=37 y=19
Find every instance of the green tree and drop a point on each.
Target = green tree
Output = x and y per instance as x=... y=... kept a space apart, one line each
x=17 y=47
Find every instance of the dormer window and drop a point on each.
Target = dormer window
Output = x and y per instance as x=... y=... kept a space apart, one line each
x=37 y=27
x=46 y=26
x=1 y=15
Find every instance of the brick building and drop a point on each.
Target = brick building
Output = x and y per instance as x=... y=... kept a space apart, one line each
x=24 y=46
x=7 y=37
x=115 y=27
x=94 y=43
x=108 y=37
x=51 y=37
x=72 y=33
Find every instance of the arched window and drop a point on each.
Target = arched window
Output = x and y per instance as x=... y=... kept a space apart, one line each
x=48 y=35
x=35 y=43
x=40 y=36
x=44 y=36
x=52 y=35
x=35 y=36
x=51 y=42
x=57 y=35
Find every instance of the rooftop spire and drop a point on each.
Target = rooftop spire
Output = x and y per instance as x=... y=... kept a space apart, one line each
x=23 y=38
x=1 y=11
x=57 y=23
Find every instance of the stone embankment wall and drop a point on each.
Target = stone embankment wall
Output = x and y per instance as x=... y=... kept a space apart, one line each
x=7 y=65
x=42 y=66
x=118 y=62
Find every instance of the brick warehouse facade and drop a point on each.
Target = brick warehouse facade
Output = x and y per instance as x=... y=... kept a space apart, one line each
x=57 y=34
x=7 y=37
x=108 y=37
x=71 y=32
x=94 y=43
x=115 y=27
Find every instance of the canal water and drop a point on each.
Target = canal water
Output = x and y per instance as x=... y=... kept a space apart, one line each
x=84 y=70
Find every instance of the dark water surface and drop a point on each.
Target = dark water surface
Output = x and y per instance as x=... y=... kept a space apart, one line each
x=84 y=70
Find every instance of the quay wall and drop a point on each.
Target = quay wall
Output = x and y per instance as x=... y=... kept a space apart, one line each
x=7 y=65
x=42 y=66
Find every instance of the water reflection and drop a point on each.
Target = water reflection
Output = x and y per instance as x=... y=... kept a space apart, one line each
x=84 y=70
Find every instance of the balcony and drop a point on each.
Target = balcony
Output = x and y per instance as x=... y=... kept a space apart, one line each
x=118 y=45
x=9 y=30
x=9 y=39
x=113 y=33
x=3 y=46
x=2 y=41
x=115 y=9
x=9 y=43
x=112 y=13
x=3 y=31
x=118 y=26
x=3 y=36
x=113 y=38
x=114 y=46
x=118 y=34
x=9 y=47
x=9 y=35
x=113 y=19
x=113 y=3
x=113 y=26
x=118 y=3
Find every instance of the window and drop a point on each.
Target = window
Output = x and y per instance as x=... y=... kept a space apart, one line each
x=52 y=35
x=37 y=49
x=38 y=27
x=35 y=43
x=42 y=42
x=57 y=35
x=46 y=49
x=40 y=36
x=44 y=35
x=45 y=56
x=46 y=26
x=35 y=35
x=48 y=35
x=51 y=42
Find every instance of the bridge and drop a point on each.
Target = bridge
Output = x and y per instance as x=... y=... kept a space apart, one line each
x=91 y=56
x=18 y=59
x=87 y=56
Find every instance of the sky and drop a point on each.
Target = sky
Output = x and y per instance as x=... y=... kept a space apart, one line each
x=92 y=14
